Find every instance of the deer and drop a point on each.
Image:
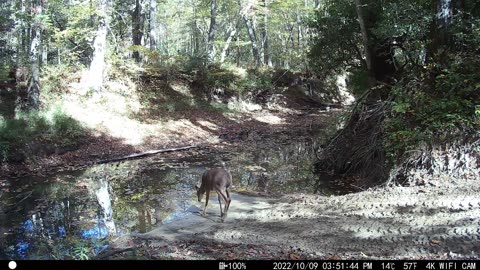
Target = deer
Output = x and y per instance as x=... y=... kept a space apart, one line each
x=218 y=180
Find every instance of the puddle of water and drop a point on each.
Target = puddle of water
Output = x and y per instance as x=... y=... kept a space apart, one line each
x=72 y=215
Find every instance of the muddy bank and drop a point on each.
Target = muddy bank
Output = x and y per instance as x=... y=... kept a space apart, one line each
x=438 y=222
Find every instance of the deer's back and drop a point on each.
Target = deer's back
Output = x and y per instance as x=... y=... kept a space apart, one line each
x=218 y=177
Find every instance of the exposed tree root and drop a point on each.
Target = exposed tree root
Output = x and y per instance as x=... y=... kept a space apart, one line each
x=357 y=149
x=459 y=160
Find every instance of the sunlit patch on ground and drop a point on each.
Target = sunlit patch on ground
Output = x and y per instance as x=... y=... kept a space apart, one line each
x=240 y=105
x=184 y=128
x=208 y=125
x=269 y=119
x=181 y=88
x=110 y=118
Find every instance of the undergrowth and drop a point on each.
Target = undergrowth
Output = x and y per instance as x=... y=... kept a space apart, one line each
x=51 y=126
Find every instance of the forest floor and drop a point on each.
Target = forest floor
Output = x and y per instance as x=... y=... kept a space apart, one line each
x=435 y=222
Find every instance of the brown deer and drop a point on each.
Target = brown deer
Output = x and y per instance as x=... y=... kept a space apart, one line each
x=219 y=180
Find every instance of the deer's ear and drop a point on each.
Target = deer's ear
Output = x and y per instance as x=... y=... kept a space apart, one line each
x=197 y=187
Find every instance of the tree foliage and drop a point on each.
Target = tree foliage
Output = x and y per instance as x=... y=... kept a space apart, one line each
x=432 y=91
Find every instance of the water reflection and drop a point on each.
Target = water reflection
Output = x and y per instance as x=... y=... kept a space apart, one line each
x=103 y=198
x=72 y=215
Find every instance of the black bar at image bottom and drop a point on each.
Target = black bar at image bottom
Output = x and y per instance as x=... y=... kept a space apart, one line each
x=249 y=264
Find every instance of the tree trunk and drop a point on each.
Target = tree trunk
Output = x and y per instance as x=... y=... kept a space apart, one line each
x=250 y=30
x=237 y=60
x=267 y=57
x=211 y=32
x=59 y=59
x=153 y=25
x=228 y=42
x=378 y=53
x=93 y=79
x=440 y=40
x=44 y=53
x=137 y=29
x=22 y=34
x=443 y=10
x=262 y=41
x=366 y=43
x=253 y=39
x=197 y=34
x=289 y=28
x=299 y=30
x=285 y=62
x=33 y=91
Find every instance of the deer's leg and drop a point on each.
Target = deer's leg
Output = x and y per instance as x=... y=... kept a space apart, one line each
x=220 y=203
x=207 y=196
x=225 y=199
x=227 y=202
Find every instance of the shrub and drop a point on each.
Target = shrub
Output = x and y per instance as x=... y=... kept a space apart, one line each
x=437 y=111
x=52 y=126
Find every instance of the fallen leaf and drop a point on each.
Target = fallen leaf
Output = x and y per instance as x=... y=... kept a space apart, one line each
x=334 y=257
x=435 y=242
x=294 y=256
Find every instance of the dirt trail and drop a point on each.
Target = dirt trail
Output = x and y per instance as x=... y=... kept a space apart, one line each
x=436 y=222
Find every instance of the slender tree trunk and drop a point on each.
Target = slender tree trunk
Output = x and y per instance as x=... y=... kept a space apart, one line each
x=93 y=79
x=267 y=57
x=192 y=44
x=366 y=43
x=45 y=40
x=299 y=30
x=444 y=18
x=153 y=25
x=253 y=39
x=59 y=59
x=22 y=45
x=291 y=37
x=238 y=53
x=262 y=41
x=283 y=60
x=233 y=31
x=137 y=29
x=44 y=53
x=440 y=40
x=444 y=10
x=33 y=91
x=250 y=30
x=197 y=38
x=211 y=32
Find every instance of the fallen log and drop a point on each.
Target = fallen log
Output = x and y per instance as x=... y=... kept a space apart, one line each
x=144 y=154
